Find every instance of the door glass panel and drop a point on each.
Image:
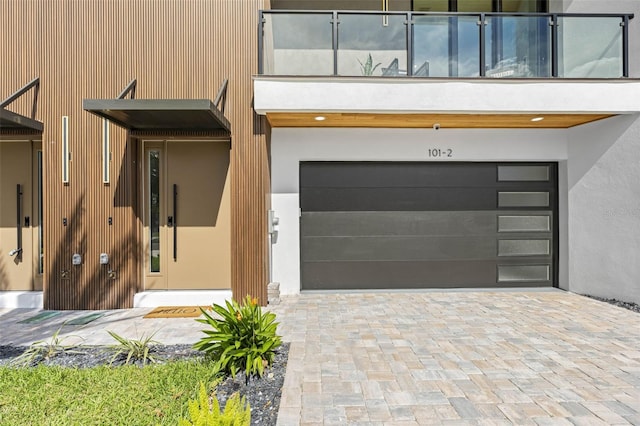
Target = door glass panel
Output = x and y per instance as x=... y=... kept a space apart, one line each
x=523 y=173
x=510 y=6
x=431 y=5
x=527 y=6
x=523 y=248
x=523 y=273
x=475 y=5
x=524 y=224
x=523 y=199
x=154 y=210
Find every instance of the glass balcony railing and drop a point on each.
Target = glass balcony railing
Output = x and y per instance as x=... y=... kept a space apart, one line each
x=455 y=45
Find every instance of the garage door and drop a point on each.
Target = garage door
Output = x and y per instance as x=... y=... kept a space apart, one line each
x=403 y=225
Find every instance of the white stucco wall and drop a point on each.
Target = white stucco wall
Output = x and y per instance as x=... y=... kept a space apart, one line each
x=473 y=96
x=290 y=146
x=604 y=208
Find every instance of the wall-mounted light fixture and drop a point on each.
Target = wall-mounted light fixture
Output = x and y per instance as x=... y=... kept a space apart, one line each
x=385 y=8
x=319 y=118
x=536 y=119
x=106 y=153
x=65 y=149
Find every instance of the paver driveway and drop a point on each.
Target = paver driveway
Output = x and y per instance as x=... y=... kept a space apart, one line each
x=459 y=358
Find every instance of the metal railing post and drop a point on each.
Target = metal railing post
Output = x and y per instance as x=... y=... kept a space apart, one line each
x=334 y=24
x=260 y=42
x=554 y=45
x=625 y=46
x=409 y=33
x=483 y=56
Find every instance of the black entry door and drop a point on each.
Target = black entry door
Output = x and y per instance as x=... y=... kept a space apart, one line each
x=403 y=225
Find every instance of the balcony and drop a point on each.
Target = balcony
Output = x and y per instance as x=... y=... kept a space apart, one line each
x=446 y=45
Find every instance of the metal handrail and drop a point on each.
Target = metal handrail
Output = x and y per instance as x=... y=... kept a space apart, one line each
x=503 y=14
x=482 y=16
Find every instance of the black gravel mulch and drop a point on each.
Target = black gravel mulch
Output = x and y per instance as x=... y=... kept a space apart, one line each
x=627 y=305
x=263 y=394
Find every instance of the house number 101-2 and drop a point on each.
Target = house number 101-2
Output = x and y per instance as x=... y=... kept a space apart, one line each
x=440 y=153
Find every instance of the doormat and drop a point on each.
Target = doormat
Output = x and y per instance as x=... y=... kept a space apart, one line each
x=44 y=315
x=85 y=319
x=176 y=312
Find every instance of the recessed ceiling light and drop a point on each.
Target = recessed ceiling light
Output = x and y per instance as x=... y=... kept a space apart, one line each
x=320 y=118
x=535 y=119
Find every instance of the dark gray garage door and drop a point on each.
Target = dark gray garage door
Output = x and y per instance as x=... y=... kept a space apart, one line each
x=395 y=225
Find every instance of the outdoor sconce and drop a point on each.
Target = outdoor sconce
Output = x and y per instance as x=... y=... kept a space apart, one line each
x=65 y=149
x=106 y=154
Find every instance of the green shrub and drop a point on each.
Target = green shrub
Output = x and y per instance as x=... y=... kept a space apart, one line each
x=243 y=338
x=206 y=412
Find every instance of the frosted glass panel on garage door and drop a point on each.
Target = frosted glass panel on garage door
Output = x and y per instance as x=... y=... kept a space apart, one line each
x=523 y=199
x=520 y=273
x=524 y=248
x=524 y=223
x=523 y=173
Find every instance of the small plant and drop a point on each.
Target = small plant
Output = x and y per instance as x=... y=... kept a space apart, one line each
x=368 y=68
x=243 y=339
x=136 y=349
x=205 y=411
x=45 y=349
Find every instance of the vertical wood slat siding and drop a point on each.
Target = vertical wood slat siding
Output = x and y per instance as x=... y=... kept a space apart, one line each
x=92 y=49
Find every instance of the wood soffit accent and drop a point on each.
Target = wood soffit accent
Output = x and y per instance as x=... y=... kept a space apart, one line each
x=446 y=121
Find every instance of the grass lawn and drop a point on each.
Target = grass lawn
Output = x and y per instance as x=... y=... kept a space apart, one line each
x=127 y=395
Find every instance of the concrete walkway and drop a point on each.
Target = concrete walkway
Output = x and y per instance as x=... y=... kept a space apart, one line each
x=126 y=322
x=424 y=357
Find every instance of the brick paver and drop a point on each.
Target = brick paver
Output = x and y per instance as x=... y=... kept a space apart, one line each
x=522 y=357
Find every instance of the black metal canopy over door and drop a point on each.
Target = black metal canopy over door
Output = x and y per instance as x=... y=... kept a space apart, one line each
x=173 y=115
x=427 y=225
x=14 y=123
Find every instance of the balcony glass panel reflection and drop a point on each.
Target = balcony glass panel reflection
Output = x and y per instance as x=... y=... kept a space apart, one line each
x=517 y=47
x=298 y=44
x=382 y=38
x=442 y=44
x=446 y=46
x=590 y=47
